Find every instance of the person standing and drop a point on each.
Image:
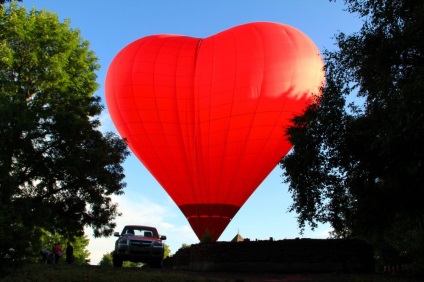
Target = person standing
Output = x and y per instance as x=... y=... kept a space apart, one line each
x=69 y=253
x=57 y=252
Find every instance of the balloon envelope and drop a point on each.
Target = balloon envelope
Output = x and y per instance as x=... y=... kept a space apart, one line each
x=207 y=117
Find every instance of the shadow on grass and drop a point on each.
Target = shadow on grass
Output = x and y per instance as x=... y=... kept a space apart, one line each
x=65 y=273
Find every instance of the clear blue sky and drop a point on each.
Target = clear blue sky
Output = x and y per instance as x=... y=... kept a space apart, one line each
x=110 y=25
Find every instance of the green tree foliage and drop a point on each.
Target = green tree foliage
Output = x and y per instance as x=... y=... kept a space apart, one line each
x=106 y=260
x=132 y=264
x=47 y=240
x=57 y=170
x=2 y=2
x=167 y=251
x=185 y=245
x=360 y=166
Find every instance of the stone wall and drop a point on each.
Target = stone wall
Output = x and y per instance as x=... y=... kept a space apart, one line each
x=294 y=256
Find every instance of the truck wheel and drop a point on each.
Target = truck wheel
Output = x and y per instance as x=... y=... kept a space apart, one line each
x=117 y=262
x=156 y=263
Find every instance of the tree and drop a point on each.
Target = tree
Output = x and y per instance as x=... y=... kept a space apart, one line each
x=46 y=240
x=166 y=251
x=57 y=170
x=132 y=264
x=185 y=245
x=106 y=260
x=360 y=166
x=2 y=2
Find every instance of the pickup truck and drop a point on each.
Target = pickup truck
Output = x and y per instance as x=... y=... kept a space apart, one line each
x=138 y=243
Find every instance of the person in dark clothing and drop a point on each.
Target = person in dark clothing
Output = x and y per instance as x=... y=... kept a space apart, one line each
x=69 y=253
x=45 y=254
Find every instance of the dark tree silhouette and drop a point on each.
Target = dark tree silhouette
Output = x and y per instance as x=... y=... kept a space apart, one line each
x=360 y=167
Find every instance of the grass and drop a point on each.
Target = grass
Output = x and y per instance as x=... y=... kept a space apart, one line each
x=66 y=273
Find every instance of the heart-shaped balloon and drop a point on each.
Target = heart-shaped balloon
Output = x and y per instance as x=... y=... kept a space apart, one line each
x=207 y=117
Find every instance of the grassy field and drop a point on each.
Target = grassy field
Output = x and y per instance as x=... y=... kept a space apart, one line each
x=65 y=273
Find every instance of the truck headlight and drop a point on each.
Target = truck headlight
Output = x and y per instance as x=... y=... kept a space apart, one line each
x=157 y=244
x=123 y=241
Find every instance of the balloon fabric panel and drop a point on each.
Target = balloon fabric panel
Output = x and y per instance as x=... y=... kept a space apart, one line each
x=207 y=116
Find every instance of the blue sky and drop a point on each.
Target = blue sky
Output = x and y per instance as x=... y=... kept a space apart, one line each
x=111 y=25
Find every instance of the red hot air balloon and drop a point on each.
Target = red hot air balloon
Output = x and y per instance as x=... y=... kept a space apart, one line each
x=207 y=116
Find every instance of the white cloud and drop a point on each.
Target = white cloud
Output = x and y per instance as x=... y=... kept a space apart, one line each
x=106 y=124
x=324 y=233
